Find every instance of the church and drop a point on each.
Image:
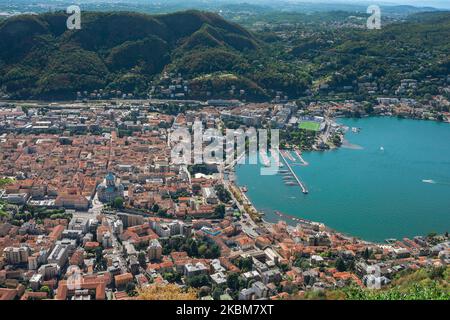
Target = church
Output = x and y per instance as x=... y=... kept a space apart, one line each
x=110 y=189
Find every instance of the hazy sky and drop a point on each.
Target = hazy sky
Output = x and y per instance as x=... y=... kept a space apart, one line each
x=421 y=3
x=437 y=3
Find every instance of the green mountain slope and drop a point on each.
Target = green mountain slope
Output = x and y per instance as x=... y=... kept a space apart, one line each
x=131 y=53
x=40 y=58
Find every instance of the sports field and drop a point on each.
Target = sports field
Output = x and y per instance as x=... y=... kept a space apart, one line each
x=309 y=125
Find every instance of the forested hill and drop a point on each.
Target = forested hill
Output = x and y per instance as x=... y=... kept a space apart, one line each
x=130 y=52
x=39 y=57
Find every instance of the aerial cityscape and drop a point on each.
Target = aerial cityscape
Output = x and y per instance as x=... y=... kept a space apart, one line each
x=224 y=150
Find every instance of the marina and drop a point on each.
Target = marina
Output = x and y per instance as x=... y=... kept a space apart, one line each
x=294 y=218
x=264 y=158
x=297 y=179
x=299 y=156
x=346 y=185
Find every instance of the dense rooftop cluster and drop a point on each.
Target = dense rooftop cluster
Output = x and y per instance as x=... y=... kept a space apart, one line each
x=91 y=207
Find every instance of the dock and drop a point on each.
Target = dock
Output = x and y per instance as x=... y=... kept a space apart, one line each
x=294 y=218
x=264 y=159
x=300 y=183
x=299 y=156
x=235 y=161
x=288 y=155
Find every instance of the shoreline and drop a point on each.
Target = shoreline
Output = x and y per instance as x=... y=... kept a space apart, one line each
x=290 y=218
x=299 y=221
x=295 y=220
x=285 y=217
x=61 y=103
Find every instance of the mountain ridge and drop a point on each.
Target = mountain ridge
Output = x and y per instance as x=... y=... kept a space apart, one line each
x=109 y=44
x=130 y=53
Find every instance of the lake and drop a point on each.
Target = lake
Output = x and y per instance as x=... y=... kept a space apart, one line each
x=391 y=180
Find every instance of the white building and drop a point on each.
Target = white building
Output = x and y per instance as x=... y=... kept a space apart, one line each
x=191 y=270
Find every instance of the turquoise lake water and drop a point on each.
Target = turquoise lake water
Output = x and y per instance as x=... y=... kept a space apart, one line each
x=393 y=182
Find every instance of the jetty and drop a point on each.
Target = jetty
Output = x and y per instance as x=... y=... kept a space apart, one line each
x=300 y=183
x=299 y=156
x=294 y=218
x=235 y=161
x=288 y=155
x=264 y=159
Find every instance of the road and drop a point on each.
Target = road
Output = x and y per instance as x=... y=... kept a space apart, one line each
x=248 y=225
x=93 y=212
x=117 y=247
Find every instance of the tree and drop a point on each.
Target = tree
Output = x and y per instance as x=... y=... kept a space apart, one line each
x=142 y=259
x=245 y=264
x=217 y=292
x=302 y=263
x=219 y=211
x=213 y=252
x=100 y=260
x=336 y=140
x=162 y=213
x=5 y=181
x=166 y=292
x=155 y=208
x=46 y=289
x=367 y=254
x=204 y=291
x=432 y=235
x=284 y=267
x=202 y=249
x=172 y=276
x=233 y=281
x=415 y=291
x=193 y=249
x=98 y=254
x=340 y=265
x=130 y=289
x=25 y=109
x=198 y=281
x=117 y=203
x=222 y=193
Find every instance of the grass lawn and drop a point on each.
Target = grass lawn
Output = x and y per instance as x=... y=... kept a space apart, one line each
x=309 y=125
